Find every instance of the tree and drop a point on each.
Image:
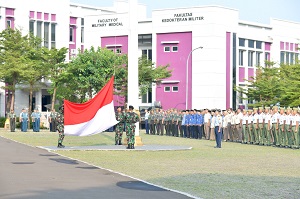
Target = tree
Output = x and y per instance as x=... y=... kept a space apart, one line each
x=36 y=68
x=289 y=84
x=91 y=70
x=13 y=61
x=149 y=74
x=55 y=62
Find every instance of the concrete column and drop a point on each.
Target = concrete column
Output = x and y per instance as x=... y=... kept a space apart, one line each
x=133 y=88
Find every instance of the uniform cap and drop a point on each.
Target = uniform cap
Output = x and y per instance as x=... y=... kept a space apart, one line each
x=282 y=108
x=244 y=110
x=289 y=109
x=261 y=108
x=254 y=109
x=295 y=109
x=250 y=110
x=267 y=108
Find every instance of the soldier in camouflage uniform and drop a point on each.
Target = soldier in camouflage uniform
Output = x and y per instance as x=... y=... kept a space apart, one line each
x=130 y=119
x=60 y=127
x=119 y=127
x=12 y=120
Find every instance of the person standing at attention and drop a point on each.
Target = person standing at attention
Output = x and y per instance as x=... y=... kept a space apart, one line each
x=217 y=128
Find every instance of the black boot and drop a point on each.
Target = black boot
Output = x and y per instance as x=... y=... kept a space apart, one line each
x=60 y=145
x=120 y=142
x=116 y=142
x=128 y=147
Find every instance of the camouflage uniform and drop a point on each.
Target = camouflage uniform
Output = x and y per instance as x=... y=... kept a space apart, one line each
x=119 y=128
x=60 y=127
x=12 y=121
x=130 y=119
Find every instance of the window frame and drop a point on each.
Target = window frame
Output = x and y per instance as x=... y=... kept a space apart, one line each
x=166 y=50
x=175 y=90
x=166 y=90
x=173 y=48
x=71 y=36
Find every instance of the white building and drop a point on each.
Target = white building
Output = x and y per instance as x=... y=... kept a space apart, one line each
x=231 y=47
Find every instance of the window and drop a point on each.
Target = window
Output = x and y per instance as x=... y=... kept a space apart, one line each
x=250 y=58
x=241 y=57
x=258 y=44
x=267 y=58
x=82 y=34
x=240 y=98
x=175 y=88
x=258 y=58
x=46 y=35
x=53 y=41
x=82 y=21
x=167 y=89
x=175 y=49
x=167 y=49
x=147 y=97
x=251 y=43
x=241 y=42
x=297 y=57
x=39 y=29
x=145 y=39
x=147 y=53
x=287 y=57
x=292 y=58
x=282 y=57
x=118 y=51
x=8 y=23
x=71 y=34
x=31 y=27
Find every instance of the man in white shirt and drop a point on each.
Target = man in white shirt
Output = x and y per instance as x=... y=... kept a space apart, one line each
x=275 y=126
x=207 y=117
x=233 y=128
x=255 y=126
x=238 y=125
x=261 y=120
x=225 y=126
x=268 y=126
x=250 y=127
x=288 y=127
x=282 y=134
x=245 y=127
x=295 y=128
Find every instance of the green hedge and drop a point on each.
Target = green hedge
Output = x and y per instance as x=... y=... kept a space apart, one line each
x=2 y=122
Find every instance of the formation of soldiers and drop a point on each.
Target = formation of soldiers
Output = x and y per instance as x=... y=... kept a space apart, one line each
x=127 y=118
x=277 y=127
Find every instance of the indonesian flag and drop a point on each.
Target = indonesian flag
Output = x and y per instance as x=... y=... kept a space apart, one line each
x=93 y=116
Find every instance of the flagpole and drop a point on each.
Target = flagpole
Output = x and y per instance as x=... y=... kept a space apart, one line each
x=133 y=88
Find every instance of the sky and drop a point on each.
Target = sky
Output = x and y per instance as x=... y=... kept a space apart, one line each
x=259 y=11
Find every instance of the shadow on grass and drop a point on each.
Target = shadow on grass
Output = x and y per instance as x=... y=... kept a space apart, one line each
x=233 y=186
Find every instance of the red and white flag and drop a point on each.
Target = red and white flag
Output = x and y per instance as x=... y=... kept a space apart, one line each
x=93 y=116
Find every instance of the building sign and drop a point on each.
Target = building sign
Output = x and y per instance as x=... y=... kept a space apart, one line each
x=107 y=22
x=182 y=17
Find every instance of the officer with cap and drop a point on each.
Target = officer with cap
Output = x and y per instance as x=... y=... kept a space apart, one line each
x=261 y=119
x=275 y=126
x=130 y=119
x=60 y=127
x=295 y=129
x=119 y=127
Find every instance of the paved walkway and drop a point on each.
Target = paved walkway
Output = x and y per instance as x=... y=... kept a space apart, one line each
x=33 y=173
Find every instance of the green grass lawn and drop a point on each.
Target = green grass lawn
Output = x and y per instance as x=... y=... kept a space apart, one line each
x=235 y=171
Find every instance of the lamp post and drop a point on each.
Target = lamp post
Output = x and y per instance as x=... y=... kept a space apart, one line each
x=187 y=76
